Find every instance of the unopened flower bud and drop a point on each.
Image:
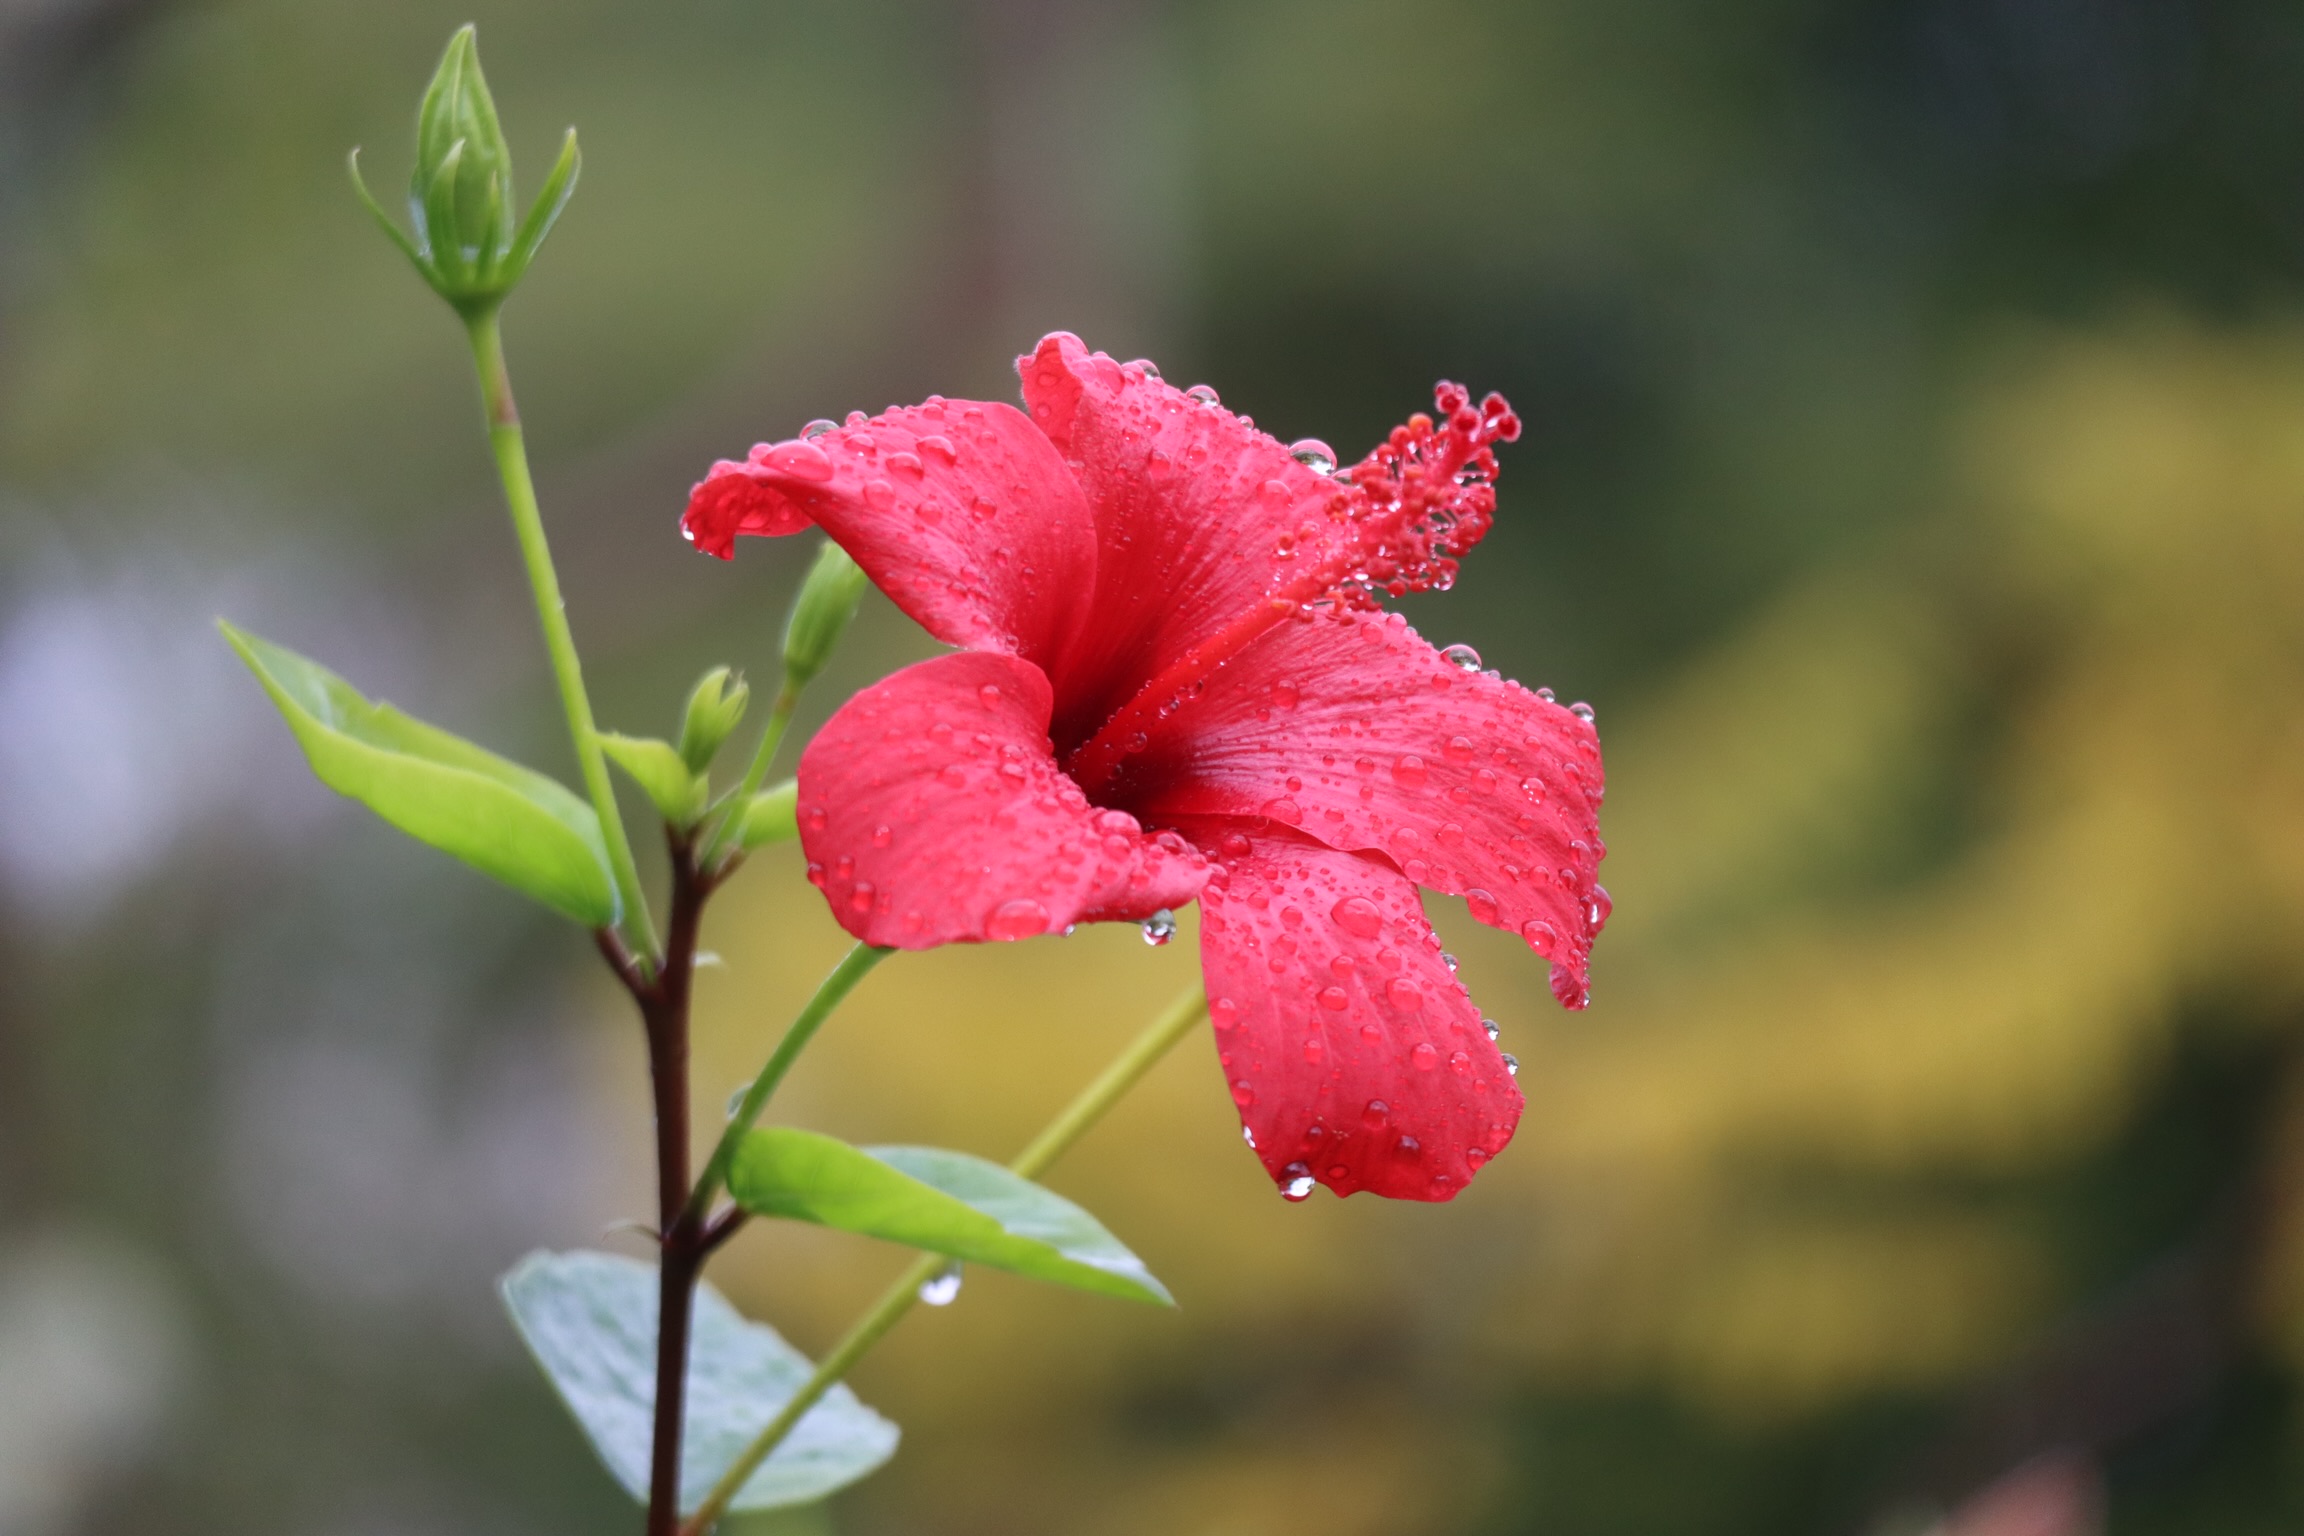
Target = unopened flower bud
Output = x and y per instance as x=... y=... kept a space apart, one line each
x=826 y=603
x=714 y=708
x=460 y=193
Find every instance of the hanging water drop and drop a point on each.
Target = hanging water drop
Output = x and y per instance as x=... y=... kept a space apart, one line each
x=1491 y=1026
x=1511 y=1063
x=1299 y=1185
x=1314 y=455
x=1249 y=1137
x=1461 y=657
x=941 y=1288
x=1204 y=395
x=1160 y=927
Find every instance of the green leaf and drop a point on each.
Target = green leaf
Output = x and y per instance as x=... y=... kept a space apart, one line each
x=662 y=774
x=502 y=819
x=944 y=1202
x=590 y=1321
x=771 y=816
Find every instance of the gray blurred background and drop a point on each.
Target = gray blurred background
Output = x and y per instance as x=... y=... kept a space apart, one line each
x=1915 y=482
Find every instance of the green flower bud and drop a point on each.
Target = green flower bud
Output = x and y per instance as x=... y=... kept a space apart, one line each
x=826 y=603
x=460 y=193
x=714 y=708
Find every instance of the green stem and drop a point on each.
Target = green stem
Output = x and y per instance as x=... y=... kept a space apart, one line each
x=638 y=931
x=852 y=969
x=779 y=718
x=1083 y=1112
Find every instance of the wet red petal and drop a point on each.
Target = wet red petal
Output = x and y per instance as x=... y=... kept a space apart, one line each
x=959 y=510
x=932 y=811
x=1354 y=1055
x=1358 y=732
x=1198 y=519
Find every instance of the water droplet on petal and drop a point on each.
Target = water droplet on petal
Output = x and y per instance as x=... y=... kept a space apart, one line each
x=1581 y=710
x=1144 y=366
x=1491 y=1026
x=818 y=428
x=1022 y=918
x=1248 y=1136
x=1461 y=657
x=1299 y=1185
x=1160 y=927
x=1204 y=395
x=1425 y=1057
x=1243 y=1094
x=1541 y=935
x=1357 y=916
x=802 y=461
x=1375 y=1114
x=942 y=1288
x=1314 y=455
x=1511 y=1064
x=1409 y=772
x=1481 y=904
x=1223 y=1013
x=1335 y=999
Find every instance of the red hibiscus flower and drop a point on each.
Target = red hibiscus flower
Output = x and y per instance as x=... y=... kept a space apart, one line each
x=1174 y=683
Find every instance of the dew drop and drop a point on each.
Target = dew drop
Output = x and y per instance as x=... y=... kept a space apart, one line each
x=1460 y=1063
x=1481 y=904
x=1581 y=711
x=1160 y=927
x=882 y=836
x=1204 y=395
x=1144 y=366
x=1022 y=918
x=1299 y=1185
x=942 y=1288
x=1375 y=1114
x=818 y=428
x=1541 y=935
x=1248 y=1136
x=989 y=693
x=1491 y=1026
x=800 y=460
x=1458 y=750
x=1408 y=1149
x=1314 y=455
x=1409 y=772
x=1357 y=916
x=1424 y=1058
x=1223 y=1013
x=1335 y=999
x=1243 y=1094
x=1511 y=1064
x=1461 y=657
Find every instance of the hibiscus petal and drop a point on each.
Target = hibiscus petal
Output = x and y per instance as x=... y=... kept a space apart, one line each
x=1354 y=1054
x=932 y=811
x=1356 y=731
x=1198 y=518
x=959 y=510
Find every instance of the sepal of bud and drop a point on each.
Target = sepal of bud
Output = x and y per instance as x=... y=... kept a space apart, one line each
x=460 y=197
x=826 y=603
x=714 y=708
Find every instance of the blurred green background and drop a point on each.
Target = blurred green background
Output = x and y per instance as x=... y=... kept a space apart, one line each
x=1915 y=482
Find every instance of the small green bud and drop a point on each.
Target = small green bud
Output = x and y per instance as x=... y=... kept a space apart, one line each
x=826 y=603
x=714 y=708
x=460 y=193
x=771 y=816
x=677 y=794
